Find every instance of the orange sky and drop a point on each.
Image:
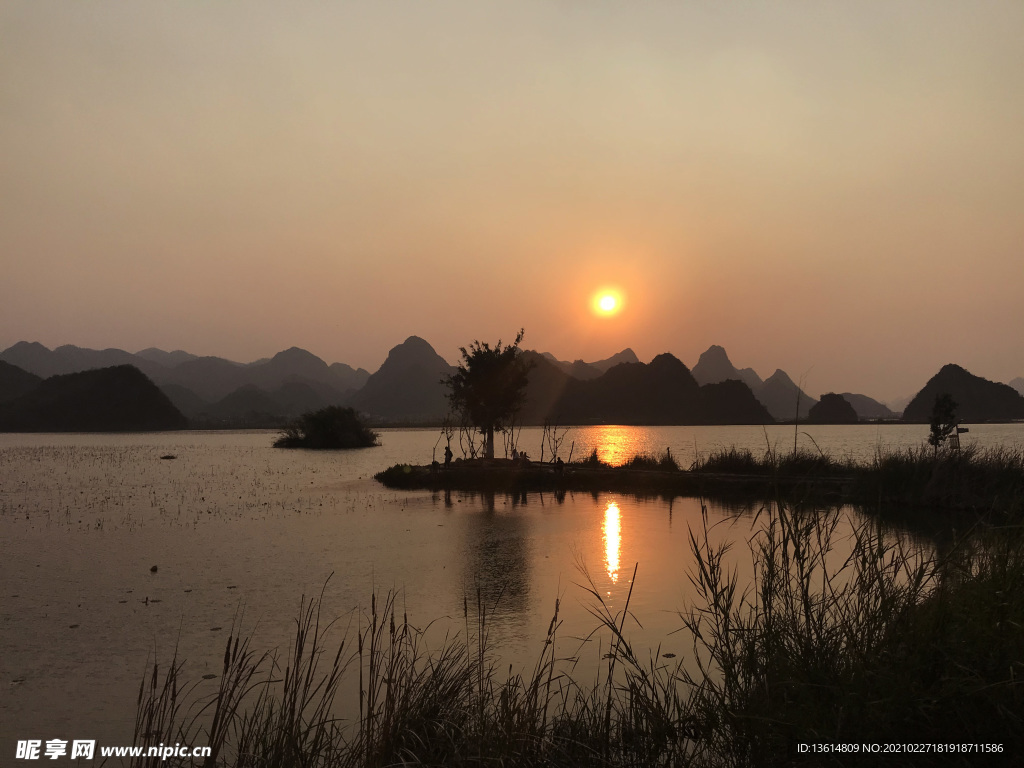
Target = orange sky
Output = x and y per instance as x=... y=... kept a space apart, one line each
x=833 y=189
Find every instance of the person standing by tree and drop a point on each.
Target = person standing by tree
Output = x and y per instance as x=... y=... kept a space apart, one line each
x=489 y=386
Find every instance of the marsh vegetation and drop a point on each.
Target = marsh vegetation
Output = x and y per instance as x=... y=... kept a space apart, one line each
x=988 y=482
x=880 y=644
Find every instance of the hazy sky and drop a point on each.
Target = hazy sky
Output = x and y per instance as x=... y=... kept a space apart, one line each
x=836 y=189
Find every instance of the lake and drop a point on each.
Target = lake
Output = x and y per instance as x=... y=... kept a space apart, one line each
x=112 y=556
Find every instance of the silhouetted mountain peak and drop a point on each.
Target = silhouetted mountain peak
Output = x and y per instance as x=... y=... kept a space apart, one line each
x=412 y=351
x=716 y=352
x=780 y=395
x=33 y=357
x=584 y=371
x=416 y=342
x=952 y=369
x=977 y=399
x=295 y=353
x=170 y=359
x=714 y=366
x=296 y=357
x=27 y=346
x=408 y=386
x=666 y=361
x=833 y=409
x=625 y=356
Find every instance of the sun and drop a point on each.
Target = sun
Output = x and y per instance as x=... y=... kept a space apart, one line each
x=607 y=302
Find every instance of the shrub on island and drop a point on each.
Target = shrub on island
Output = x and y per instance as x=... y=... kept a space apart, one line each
x=329 y=428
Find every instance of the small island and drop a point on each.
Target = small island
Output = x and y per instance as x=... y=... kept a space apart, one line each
x=330 y=428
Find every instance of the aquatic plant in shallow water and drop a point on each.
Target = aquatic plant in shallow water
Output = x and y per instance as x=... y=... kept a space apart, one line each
x=329 y=428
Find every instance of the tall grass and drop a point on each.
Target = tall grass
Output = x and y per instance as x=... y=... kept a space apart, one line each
x=975 y=478
x=666 y=462
x=743 y=461
x=988 y=481
x=833 y=639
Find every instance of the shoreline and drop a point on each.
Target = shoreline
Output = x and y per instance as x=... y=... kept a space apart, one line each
x=986 y=483
x=507 y=476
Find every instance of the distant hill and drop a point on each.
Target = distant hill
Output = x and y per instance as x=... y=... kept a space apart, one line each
x=408 y=386
x=899 y=404
x=348 y=377
x=732 y=402
x=779 y=395
x=208 y=379
x=547 y=383
x=977 y=399
x=625 y=356
x=115 y=399
x=248 y=407
x=832 y=409
x=293 y=364
x=35 y=358
x=15 y=382
x=714 y=366
x=211 y=378
x=167 y=359
x=185 y=400
x=660 y=392
x=1018 y=384
x=585 y=371
x=868 y=408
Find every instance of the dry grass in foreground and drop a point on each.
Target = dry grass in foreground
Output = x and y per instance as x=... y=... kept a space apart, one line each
x=890 y=645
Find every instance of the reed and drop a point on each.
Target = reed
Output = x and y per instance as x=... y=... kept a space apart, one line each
x=666 y=462
x=885 y=645
x=834 y=639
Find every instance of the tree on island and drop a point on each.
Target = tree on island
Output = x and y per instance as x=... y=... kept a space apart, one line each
x=943 y=420
x=489 y=387
x=331 y=427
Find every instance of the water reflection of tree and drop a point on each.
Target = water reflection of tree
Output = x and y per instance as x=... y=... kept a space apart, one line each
x=497 y=555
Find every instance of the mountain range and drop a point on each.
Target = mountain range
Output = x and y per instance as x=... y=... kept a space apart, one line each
x=778 y=393
x=409 y=386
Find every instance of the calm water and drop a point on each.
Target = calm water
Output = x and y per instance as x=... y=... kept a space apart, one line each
x=239 y=531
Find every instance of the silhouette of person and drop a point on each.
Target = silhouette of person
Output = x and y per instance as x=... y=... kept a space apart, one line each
x=447 y=456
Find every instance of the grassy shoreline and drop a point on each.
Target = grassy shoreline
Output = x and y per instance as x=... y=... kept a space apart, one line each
x=987 y=482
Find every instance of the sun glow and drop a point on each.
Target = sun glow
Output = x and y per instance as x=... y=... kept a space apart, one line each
x=607 y=302
x=612 y=540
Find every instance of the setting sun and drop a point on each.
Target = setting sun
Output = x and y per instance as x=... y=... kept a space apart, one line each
x=607 y=302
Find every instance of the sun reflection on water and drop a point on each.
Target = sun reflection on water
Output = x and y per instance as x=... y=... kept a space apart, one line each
x=612 y=540
x=617 y=444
